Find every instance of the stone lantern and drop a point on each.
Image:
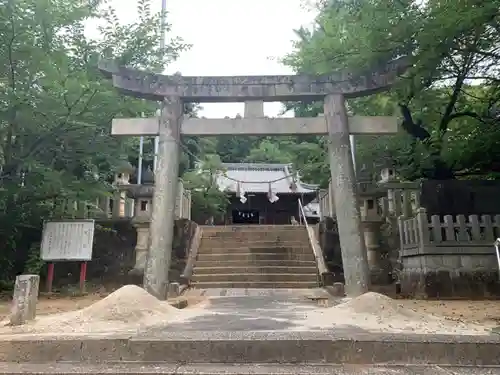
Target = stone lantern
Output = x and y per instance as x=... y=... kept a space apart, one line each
x=372 y=220
x=387 y=174
x=123 y=172
x=143 y=195
x=388 y=178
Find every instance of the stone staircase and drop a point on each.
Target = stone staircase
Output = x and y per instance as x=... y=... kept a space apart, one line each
x=255 y=256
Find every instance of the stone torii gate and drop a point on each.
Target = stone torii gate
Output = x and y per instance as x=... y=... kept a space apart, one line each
x=175 y=90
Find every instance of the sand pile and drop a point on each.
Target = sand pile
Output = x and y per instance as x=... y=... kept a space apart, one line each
x=126 y=310
x=129 y=304
x=376 y=312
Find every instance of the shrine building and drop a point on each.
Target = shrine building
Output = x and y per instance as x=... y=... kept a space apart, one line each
x=265 y=194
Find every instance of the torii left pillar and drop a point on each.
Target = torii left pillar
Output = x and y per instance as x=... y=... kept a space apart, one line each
x=163 y=212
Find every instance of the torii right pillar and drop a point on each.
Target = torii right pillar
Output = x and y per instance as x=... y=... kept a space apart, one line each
x=352 y=244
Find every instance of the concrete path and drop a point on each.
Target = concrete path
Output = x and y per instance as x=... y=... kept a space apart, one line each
x=253 y=310
x=239 y=369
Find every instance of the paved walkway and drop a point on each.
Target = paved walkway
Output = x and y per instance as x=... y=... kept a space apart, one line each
x=240 y=369
x=253 y=310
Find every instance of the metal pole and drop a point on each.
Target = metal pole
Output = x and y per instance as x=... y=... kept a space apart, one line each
x=353 y=151
x=139 y=167
x=141 y=153
x=163 y=24
x=497 y=251
x=157 y=140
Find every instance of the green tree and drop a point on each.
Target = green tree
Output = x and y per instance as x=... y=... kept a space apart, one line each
x=452 y=47
x=56 y=108
x=206 y=198
x=268 y=151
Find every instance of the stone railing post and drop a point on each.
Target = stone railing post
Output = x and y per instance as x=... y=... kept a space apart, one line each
x=402 y=239
x=406 y=203
x=422 y=229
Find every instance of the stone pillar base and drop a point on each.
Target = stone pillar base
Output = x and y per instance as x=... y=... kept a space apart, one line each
x=379 y=268
x=25 y=299
x=141 y=248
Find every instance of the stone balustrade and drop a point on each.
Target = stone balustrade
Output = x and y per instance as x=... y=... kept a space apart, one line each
x=401 y=198
x=449 y=256
x=125 y=202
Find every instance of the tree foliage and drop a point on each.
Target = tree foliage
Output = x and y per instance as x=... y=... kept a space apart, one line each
x=206 y=199
x=447 y=99
x=56 y=108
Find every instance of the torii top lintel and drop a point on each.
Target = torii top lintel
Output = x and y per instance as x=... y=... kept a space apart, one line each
x=152 y=86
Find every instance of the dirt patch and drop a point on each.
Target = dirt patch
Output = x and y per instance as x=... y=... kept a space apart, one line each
x=126 y=310
x=55 y=304
x=482 y=312
x=379 y=313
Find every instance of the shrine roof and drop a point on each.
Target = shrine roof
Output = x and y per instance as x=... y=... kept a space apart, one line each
x=255 y=177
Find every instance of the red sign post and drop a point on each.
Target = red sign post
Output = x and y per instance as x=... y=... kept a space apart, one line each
x=66 y=241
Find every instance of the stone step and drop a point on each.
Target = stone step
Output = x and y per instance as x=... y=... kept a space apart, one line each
x=256 y=235
x=341 y=345
x=253 y=269
x=217 y=242
x=255 y=263
x=132 y=368
x=255 y=285
x=248 y=257
x=250 y=248
x=251 y=277
x=250 y=228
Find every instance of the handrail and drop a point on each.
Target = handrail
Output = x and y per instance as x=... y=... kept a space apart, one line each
x=302 y=214
x=317 y=251
x=192 y=257
x=497 y=244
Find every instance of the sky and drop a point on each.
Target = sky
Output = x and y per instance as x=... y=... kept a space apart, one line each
x=230 y=37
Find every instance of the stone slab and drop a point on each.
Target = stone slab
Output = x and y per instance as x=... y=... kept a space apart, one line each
x=238 y=369
x=336 y=347
x=358 y=125
x=245 y=88
x=25 y=299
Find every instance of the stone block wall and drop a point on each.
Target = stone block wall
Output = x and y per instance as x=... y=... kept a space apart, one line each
x=449 y=257
x=113 y=256
x=472 y=275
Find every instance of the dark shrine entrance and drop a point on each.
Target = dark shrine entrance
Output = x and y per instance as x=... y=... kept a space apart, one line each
x=245 y=216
